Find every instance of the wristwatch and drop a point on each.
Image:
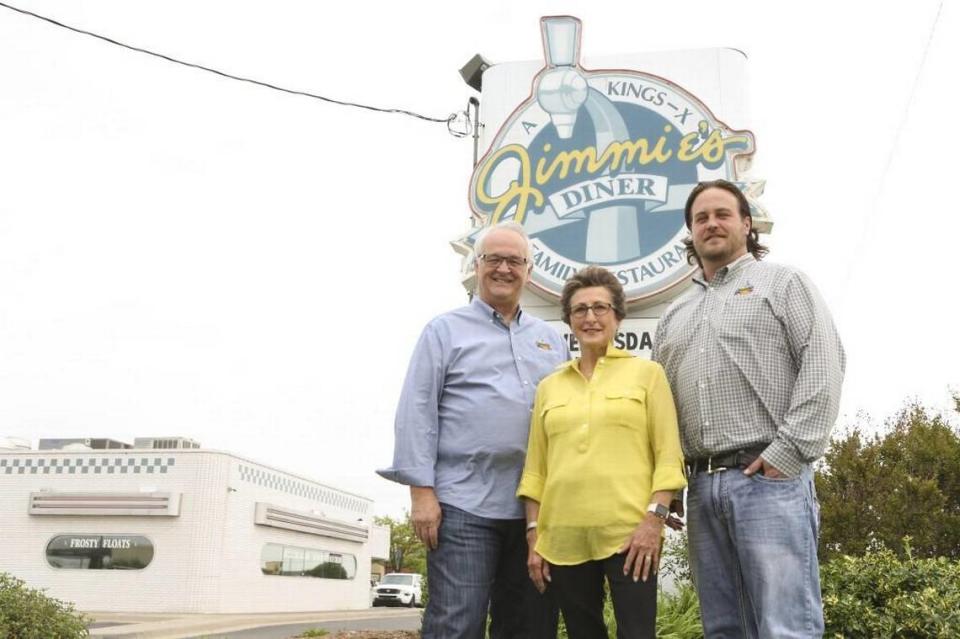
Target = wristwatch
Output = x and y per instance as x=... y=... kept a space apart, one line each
x=659 y=510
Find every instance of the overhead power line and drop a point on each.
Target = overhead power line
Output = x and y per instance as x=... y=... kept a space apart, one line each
x=894 y=146
x=448 y=120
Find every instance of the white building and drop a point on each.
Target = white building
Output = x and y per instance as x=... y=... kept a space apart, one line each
x=134 y=530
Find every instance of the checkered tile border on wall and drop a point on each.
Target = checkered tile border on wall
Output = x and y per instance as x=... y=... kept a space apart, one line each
x=292 y=486
x=86 y=466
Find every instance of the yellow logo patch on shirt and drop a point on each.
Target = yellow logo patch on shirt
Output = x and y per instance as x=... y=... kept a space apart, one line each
x=746 y=290
x=544 y=346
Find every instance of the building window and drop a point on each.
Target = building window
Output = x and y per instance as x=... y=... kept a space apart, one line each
x=100 y=552
x=292 y=561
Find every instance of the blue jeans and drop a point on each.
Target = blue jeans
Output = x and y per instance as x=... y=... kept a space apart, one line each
x=481 y=564
x=753 y=554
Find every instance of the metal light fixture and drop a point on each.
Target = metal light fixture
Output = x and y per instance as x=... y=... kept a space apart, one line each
x=472 y=71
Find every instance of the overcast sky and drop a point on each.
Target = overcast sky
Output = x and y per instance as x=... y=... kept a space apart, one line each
x=185 y=254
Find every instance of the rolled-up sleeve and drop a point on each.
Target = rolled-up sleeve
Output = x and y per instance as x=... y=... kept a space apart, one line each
x=664 y=434
x=416 y=428
x=535 y=468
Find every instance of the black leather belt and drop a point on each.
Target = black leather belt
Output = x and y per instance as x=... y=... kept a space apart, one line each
x=722 y=461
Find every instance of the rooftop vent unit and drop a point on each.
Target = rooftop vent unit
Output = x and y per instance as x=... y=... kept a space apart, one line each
x=165 y=443
x=81 y=443
x=310 y=523
x=131 y=504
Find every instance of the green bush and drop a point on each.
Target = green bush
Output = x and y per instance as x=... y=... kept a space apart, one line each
x=678 y=614
x=675 y=558
x=26 y=613
x=874 y=489
x=880 y=595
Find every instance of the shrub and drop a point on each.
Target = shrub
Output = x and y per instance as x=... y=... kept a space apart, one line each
x=675 y=558
x=678 y=614
x=879 y=595
x=27 y=613
x=875 y=489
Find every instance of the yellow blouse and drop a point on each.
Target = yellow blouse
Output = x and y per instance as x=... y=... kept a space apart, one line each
x=598 y=450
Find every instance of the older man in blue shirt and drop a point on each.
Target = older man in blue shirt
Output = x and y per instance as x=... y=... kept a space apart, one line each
x=461 y=436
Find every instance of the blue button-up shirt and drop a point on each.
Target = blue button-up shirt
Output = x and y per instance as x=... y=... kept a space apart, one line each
x=464 y=412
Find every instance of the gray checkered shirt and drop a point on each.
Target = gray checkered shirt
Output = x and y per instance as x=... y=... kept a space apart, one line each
x=753 y=358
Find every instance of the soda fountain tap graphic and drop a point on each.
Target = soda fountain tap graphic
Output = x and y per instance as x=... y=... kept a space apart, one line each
x=612 y=233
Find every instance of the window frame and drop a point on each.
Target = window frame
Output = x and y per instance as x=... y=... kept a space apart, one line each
x=138 y=538
x=301 y=556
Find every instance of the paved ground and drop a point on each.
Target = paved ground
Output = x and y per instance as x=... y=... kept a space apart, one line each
x=248 y=626
x=292 y=630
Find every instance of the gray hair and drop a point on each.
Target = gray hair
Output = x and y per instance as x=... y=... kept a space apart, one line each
x=507 y=226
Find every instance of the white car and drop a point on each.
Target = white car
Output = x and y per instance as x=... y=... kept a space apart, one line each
x=399 y=589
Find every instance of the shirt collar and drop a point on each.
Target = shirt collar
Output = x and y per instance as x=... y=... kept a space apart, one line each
x=725 y=272
x=485 y=310
x=612 y=351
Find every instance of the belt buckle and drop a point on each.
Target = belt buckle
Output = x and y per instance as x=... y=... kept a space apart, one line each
x=711 y=470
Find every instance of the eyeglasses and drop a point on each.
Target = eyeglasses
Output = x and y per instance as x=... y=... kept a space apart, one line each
x=599 y=309
x=494 y=261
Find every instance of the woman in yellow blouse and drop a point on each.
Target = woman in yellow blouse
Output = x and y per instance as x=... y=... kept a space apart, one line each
x=603 y=462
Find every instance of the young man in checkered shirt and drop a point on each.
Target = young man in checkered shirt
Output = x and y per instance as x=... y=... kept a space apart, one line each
x=756 y=366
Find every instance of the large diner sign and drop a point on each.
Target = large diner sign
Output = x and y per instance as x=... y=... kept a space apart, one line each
x=597 y=166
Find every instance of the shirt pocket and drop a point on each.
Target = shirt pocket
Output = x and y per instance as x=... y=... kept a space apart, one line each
x=558 y=416
x=626 y=408
x=747 y=317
